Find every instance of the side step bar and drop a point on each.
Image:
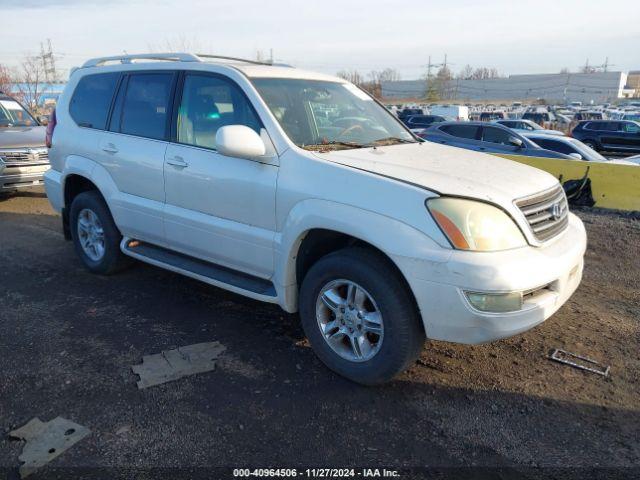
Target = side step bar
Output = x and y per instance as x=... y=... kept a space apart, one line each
x=217 y=275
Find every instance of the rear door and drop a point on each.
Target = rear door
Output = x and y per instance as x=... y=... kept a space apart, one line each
x=460 y=135
x=611 y=135
x=133 y=152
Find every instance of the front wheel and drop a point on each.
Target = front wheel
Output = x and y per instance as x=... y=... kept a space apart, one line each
x=359 y=316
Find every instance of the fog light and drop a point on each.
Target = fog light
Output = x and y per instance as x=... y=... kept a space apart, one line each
x=495 y=302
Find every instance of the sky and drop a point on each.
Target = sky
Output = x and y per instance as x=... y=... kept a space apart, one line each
x=538 y=36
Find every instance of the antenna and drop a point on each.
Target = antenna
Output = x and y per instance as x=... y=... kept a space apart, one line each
x=48 y=62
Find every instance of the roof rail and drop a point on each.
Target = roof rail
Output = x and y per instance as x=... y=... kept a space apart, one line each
x=171 y=57
x=236 y=59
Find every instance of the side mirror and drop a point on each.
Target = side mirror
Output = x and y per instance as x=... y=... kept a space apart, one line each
x=239 y=141
x=575 y=155
x=516 y=142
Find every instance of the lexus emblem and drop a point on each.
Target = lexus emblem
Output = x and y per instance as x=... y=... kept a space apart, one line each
x=556 y=211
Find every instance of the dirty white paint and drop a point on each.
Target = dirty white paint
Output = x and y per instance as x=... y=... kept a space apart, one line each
x=174 y=364
x=45 y=441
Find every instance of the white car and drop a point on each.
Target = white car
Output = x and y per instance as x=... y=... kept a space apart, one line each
x=221 y=170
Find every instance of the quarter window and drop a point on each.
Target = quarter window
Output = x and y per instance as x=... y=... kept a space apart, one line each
x=91 y=100
x=146 y=105
x=209 y=103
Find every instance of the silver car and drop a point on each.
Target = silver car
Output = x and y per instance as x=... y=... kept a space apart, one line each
x=23 y=155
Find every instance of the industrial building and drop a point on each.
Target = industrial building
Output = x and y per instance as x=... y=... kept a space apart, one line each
x=587 y=88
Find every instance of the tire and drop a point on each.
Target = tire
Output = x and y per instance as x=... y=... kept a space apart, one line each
x=591 y=144
x=111 y=259
x=386 y=292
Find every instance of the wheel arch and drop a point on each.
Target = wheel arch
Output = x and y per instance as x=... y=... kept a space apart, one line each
x=311 y=234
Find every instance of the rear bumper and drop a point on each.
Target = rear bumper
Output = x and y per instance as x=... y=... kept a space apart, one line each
x=15 y=177
x=446 y=311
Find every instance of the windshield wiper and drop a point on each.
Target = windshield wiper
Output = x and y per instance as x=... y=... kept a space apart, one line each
x=392 y=139
x=336 y=143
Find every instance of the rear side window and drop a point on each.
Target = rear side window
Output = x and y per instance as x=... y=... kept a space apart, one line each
x=461 y=131
x=146 y=105
x=91 y=100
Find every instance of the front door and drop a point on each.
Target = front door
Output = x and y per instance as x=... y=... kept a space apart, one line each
x=218 y=208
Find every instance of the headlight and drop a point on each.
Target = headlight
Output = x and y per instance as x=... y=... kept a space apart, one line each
x=471 y=225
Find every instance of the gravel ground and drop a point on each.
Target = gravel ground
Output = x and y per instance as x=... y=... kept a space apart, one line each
x=68 y=339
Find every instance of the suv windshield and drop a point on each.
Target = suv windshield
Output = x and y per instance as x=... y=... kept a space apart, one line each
x=13 y=115
x=323 y=115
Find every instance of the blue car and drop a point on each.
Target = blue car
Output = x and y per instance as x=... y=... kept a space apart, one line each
x=486 y=137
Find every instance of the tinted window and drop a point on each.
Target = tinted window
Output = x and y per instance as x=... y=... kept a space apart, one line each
x=91 y=99
x=556 y=146
x=631 y=127
x=461 y=131
x=209 y=103
x=496 y=135
x=511 y=124
x=146 y=105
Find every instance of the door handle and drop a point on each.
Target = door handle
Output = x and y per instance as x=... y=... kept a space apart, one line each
x=177 y=161
x=110 y=148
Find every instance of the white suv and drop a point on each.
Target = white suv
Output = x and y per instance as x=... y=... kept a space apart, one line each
x=300 y=189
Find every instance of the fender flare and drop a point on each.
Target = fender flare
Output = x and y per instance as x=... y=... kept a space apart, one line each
x=390 y=236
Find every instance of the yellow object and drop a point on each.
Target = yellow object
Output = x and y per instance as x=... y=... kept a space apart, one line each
x=612 y=185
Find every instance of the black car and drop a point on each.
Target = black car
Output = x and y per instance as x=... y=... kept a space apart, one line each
x=539 y=117
x=408 y=112
x=423 y=121
x=609 y=135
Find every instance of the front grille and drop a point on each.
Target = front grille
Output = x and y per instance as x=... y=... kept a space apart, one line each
x=20 y=156
x=547 y=212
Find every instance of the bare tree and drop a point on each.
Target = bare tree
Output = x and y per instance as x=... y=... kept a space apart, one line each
x=352 y=76
x=6 y=83
x=31 y=82
x=177 y=44
x=480 y=73
x=466 y=73
x=565 y=70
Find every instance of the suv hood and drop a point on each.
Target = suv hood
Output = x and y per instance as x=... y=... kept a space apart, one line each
x=21 y=137
x=448 y=170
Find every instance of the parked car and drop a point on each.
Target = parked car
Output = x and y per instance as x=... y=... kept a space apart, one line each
x=524 y=126
x=408 y=112
x=633 y=116
x=609 y=135
x=423 y=121
x=541 y=118
x=493 y=115
x=486 y=137
x=587 y=116
x=566 y=145
x=217 y=170
x=22 y=149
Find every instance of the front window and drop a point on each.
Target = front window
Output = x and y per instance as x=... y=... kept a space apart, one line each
x=13 y=115
x=321 y=115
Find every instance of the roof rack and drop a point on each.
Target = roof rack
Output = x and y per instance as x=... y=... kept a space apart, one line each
x=170 y=57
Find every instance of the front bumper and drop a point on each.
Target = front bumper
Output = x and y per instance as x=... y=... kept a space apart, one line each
x=446 y=312
x=14 y=177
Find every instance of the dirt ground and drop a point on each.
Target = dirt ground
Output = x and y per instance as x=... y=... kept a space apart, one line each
x=68 y=339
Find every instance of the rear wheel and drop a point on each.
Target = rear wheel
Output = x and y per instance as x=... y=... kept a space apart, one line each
x=591 y=144
x=95 y=236
x=359 y=316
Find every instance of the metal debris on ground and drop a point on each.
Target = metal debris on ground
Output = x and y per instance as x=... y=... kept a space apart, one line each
x=578 y=361
x=174 y=364
x=45 y=441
